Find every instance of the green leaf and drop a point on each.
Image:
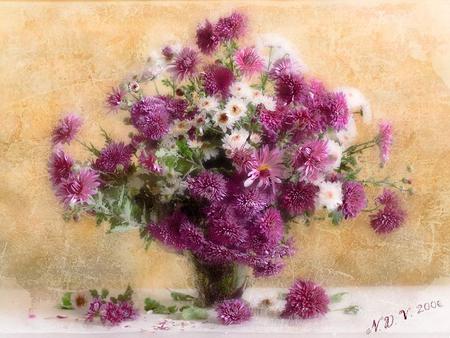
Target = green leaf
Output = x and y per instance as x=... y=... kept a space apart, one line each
x=178 y=296
x=336 y=217
x=104 y=293
x=337 y=297
x=94 y=293
x=194 y=313
x=66 y=301
x=351 y=310
x=172 y=309
x=183 y=148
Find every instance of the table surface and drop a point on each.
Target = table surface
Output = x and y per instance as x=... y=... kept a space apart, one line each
x=423 y=318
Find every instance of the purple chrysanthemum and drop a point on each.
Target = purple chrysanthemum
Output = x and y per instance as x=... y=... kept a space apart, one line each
x=391 y=216
x=269 y=226
x=95 y=309
x=168 y=230
x=233 y=311
x=185 y=64
x=78 y=187
x=243 y=159
x=115 y=313
x=149 y=162
x=298 y=198
x=311 y=159
x=309 y=122
x=66 y=129
x=305 y=300
x=249 y=202
x=271 y=121
x=128 y=310
x=115 y=99
x=290 y=88
x=114 y=157
x=217 y=80
x=225 y=228
x=59 y=166
x=207 y=40
x=192 y=236
x=231 y=27
x=208 y=185
x=338 y=113
x=213 y=253
x=150 y=117
x=248 y=61
x=268 y=268
x=267 y=169
x=168 y=52
x=354 y=199
x=176 y=107
x=385 y=141
x=281 y=67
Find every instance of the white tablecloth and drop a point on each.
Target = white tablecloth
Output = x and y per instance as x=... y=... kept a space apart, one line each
x=17 y=319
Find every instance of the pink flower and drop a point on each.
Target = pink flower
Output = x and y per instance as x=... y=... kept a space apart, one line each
x=283 y=66
x=149 y=162
x=354 y=200
x=305 y=300
x=267 y=268
x=225 y=228
x=78 y=187
x=269 y=226
x=168 y=230
x=298 y=198
x=66 y=129
x=311 y=159
x=267 y=170
x=385 y=141
x=115 y=156
x=217 y=80
x=249 y=202
x=248 y=61
x=207 y=40
x=231 y=27
x=185 y=64
x=59 y=166
x=208 y=185
x=115 y=99
x=243 y=159
x=233 y=311
x=95 y=309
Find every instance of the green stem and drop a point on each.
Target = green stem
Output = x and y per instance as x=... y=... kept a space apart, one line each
x=360 y=147
x=384 y=182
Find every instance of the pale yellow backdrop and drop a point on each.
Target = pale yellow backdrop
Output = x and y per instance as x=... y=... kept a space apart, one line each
x=58 y=57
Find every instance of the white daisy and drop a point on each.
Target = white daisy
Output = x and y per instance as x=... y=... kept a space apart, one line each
x=235 y=108
x=209 y=153
x=195 y=143
x=223 y=120
x=267 y=101
x=255 y=138
x=334 y=154
x=208 y=103
x=347 y=136
x=330 y=195
x=236 y=140
x=356 y=102
x=241 y=90
x=180 y=127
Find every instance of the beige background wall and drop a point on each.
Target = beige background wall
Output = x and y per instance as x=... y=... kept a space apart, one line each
x=57 y=57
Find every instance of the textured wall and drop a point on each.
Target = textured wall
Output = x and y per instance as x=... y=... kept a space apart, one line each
x=57 y=57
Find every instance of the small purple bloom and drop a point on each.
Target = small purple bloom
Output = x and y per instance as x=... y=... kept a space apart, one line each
x=298 y=198
x=391 y=216
x=185 y=64
x=66 y=129
x=233 y=311
x=115 y=156
x=59 y=166
x=268 y=268
x=231 y=27
x=95 y=309
x=249 y=202
x=290 y=88
x=149 y=162
x=354 y=199
x=269 y=226
x=385 y=141
x=248 y=61
x=207 y=40
x=115 y=99
x=305 y=300
x=168 y=230
x=281 y=67
x=208 y=185
x=217 y=80
x=311 y=159
x=150 y=117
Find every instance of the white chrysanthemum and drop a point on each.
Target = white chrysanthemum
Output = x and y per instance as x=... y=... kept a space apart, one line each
x=156 y=64
x=195 y=144
x=267 y=101
x=236 y=109
x=223 y=120
x=334 y=154
x=236 y=140
x=357 y=102
x=209 y=153
x=255 y=138
x=330 y=195
x=278 y=47
x=347 y=136
x=180 y=127
x=241 y=90
x=208 y=103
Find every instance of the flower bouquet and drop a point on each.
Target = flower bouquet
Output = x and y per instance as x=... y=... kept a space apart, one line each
x=230 y=143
